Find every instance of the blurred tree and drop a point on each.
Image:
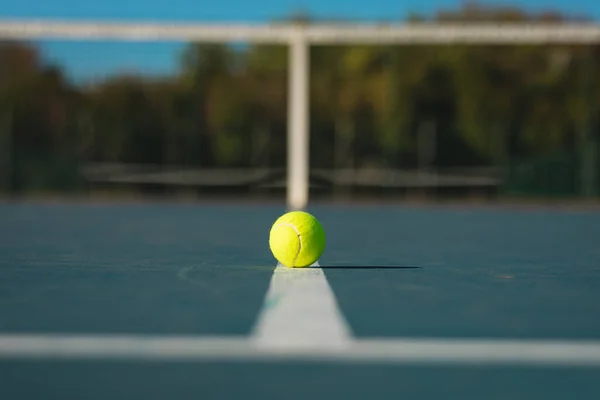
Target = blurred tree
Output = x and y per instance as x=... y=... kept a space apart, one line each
x=40 y=103
x=227 y=105
x=129 y=121
x=211 y=71
x=266 y=74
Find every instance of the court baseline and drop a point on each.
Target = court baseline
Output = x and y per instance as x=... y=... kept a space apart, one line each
x=300 y=321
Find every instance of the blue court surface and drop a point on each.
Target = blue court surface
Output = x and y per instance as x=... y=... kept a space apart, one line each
x=173 y=301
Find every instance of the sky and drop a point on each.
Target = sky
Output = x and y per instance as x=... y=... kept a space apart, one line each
x=85 y=60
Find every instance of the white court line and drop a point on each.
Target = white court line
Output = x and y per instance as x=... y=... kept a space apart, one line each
x=300 y=321
x=394 y=351
x=300 y=310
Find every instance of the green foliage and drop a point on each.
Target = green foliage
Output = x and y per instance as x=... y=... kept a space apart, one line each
x=489 y=104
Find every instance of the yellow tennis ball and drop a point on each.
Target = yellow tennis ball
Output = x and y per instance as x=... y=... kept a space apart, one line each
x=297 y=239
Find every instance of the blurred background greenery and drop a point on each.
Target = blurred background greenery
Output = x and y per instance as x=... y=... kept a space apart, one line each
x=451 y=120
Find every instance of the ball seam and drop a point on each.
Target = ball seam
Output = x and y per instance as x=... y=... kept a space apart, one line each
x=299 y=241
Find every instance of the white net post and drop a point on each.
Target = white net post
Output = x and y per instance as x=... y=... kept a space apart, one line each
x=298 y=123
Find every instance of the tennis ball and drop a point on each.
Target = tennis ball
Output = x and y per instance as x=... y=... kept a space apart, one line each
x=297 y=239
